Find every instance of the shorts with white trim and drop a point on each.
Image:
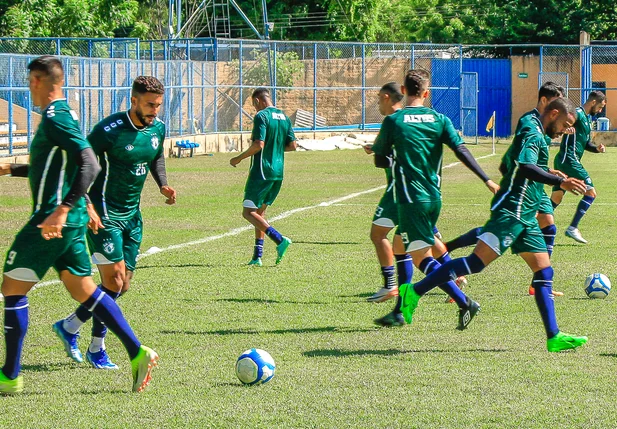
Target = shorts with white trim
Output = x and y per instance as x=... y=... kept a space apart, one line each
x=504 y=231
x=386 y=214
x=31 y=256
x=258 y=192
x=416 y=222
x=119 y=241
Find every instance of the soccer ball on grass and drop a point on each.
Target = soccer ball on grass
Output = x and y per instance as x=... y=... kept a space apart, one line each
x=597 y=286
x=255 y=366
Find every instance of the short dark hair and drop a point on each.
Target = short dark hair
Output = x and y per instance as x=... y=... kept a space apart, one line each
x=563 y=105
x=50 y=66
x=261 y=93
x=393 y=90
x=597 y=96
x=416 y=82
x=551 y=90
x=144 y=84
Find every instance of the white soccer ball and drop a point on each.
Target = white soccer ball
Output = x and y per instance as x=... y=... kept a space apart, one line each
x=255 y=366
x=597 y=286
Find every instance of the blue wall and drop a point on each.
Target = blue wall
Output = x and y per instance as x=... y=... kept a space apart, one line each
x=494 y=91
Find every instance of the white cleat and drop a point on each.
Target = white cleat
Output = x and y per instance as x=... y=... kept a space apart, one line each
x=575 y=234
x=383 y=294
x=461 y=282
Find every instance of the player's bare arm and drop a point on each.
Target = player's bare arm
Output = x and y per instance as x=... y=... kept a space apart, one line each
x=257 y=146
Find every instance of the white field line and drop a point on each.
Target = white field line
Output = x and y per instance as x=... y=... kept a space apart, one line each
x=237 y=231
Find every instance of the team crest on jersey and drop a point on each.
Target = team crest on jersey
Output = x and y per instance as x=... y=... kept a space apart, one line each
x=507 y=241
x=155 y=142
x=129 y=147
x=108 y=246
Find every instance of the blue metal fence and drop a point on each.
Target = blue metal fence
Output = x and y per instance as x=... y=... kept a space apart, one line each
x=332 y=85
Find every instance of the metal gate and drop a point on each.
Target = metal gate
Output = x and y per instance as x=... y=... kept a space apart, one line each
x=469 y=104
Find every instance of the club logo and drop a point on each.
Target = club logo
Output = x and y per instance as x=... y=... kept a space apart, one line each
x=108 y=246
x=155 y=142
x=129 y=147
x=507 y=241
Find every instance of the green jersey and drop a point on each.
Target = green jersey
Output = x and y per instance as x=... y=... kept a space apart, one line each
x=414 y=136
x=273 y=127
x=55 y=146
x=518 y=196
x=125 y=153
x=525 y=120
x=573 y=145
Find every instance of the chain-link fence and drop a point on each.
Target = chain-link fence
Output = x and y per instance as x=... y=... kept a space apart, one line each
x=321 y=86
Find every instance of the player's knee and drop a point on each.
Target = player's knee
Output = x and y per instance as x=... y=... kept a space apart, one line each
x=591 y=193
x=116 y=281
x=376 y=236
x=247 y=213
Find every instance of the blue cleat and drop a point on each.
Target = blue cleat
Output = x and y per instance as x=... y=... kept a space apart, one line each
x=100 y=360
x=69 y=340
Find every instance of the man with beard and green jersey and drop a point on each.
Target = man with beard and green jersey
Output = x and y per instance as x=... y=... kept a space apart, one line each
x=513 y=223
x=568 y=159
x=129 y=145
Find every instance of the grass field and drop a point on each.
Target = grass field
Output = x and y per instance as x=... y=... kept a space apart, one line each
x=199 y=306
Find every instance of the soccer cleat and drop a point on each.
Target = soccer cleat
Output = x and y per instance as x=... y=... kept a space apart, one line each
x=575 y=234
x=409 y=300
x=281 y=249
x=69 y=340
x=461 y=282
x=532 y=292
x=100 y=360
x=383 y=294
x=142 y=366
x=391 y=319
x=256 y=262
x=563 y=341
x=11 y=387
x=465 y=315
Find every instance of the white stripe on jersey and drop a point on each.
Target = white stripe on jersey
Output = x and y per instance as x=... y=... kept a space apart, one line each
x=61 y=179
x=503 y=197
x=39 y=199
x=105 y=186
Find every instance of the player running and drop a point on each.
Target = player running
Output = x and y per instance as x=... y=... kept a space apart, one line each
x=272 y=136
x=513 y=224
x=568 y=159
x=128 y=146
x=62 y=167
x=414 y=137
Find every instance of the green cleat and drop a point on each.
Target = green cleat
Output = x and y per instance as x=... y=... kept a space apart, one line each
x=409 y=301
x=281 y=249
x=142 y=366
x=256 y=262
x=563 y=341
x=11 y=387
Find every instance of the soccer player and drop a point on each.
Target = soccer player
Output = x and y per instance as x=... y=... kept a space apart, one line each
x=386 y=216
x=415 y=136
x=62 y=167
x=547 y=93
x=128 y=146
x=513 y=223
x=272 y=136
x=568 y=159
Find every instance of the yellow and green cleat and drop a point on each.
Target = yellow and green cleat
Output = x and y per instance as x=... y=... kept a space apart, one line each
x=255 y=262
x=409 y=301
x=142 y=366
x=11 y=387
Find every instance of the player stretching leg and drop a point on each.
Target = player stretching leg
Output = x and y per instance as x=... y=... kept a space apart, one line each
x=128 y=145
x=62 y=167
x=414 y=137
x=513 y=224
x=272 y=136
x=547 y=93
x=568 y=159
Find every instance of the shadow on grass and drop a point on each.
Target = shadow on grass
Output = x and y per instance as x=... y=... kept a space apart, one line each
x=48 y=367
x=389 y=352
x=325 y=243
x=611 y=355
x=93 y=392
x=333 y=329
x=358 y=295
x=145 y=267
x=268 y=301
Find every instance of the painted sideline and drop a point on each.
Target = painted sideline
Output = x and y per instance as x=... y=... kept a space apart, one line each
x=237 y=231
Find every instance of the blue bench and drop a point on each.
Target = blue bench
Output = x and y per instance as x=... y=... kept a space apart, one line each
x=184 y=145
